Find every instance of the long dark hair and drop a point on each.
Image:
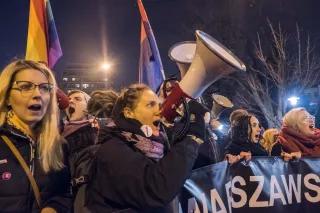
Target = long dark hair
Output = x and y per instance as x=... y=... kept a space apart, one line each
x=241 y=131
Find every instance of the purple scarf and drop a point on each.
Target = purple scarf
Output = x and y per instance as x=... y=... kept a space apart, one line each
x=73 y=126
x=148 y=147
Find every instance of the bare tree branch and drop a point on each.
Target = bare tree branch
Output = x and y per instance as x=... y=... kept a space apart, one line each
x=281 y=73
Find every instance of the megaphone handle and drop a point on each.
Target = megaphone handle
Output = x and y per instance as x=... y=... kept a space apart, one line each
x=166 y=86
x=183 y=131
x=172 y=102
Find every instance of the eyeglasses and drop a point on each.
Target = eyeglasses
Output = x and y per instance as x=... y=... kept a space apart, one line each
x=26 y=88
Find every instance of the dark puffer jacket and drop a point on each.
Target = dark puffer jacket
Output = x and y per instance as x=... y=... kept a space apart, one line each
x=237 y=146
x=16 y=194
x=79 y=136
x=124 y=178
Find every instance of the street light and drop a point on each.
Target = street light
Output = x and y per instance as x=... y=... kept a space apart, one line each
x=105 y=66
x=293 y=100
x=221 y=127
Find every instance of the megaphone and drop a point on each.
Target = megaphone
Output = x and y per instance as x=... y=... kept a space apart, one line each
x=219 y=104
x=183 y=53
x=211 y=61
x=62 y=98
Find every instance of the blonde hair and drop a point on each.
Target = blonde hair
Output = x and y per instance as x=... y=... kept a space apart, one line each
x=269 y=139
x=293 y=117
x=49 y=141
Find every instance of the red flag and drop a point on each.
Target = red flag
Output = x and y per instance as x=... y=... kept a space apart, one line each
x=150 y=64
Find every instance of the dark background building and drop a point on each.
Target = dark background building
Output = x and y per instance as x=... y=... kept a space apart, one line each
x=84 y=77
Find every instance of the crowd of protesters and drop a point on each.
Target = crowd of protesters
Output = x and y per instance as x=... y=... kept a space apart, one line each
x=110 y=152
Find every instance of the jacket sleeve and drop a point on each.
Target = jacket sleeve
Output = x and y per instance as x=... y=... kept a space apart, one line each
x=233 y=149
x=60 y=202
x=130 y=179
x=276 y=149
x=60 y=198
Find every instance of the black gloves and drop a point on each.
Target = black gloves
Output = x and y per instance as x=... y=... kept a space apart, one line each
x=197 y=123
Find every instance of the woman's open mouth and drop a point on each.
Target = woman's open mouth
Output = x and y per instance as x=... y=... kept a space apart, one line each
x=35 y=107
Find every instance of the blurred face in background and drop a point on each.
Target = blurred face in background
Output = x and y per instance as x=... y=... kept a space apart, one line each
x=305 y=123
x=255 y=133
x=77 y=109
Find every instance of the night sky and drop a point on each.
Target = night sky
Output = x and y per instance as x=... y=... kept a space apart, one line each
x=83 y=25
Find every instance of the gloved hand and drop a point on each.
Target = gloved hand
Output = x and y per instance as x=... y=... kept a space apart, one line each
x=197 y=123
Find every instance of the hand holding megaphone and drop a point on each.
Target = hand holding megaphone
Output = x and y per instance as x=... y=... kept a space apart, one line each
x=172 y=102
x=211 y=61
x=198 y=114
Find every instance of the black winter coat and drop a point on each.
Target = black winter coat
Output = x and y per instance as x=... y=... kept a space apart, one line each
x=124 y=178
x=16 y=194
x=235 y=147
x=79 y=137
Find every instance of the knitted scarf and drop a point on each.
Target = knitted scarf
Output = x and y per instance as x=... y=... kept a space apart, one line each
x=72 y=126
x=12 y=120
x=293 y=141
x=148 y=147
x=129 y=131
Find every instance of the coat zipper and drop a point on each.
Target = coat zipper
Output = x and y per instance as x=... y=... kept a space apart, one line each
x=32 y=156
x=31 y=167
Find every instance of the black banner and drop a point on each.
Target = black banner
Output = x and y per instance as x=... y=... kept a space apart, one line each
x=264 y=184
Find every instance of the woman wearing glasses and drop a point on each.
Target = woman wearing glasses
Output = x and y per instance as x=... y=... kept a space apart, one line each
x=29 y=123
x=298 y=135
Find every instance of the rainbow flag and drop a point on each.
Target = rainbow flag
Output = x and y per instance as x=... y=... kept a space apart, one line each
x=150 y=64
x=43 y=41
